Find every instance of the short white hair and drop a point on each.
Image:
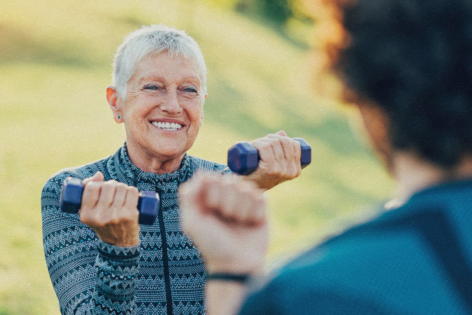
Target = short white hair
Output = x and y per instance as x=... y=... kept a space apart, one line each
x=153 y=40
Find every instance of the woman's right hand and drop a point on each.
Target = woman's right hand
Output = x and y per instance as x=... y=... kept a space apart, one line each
x=110 y=209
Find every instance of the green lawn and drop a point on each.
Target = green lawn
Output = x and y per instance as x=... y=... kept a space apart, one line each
x=55 y=61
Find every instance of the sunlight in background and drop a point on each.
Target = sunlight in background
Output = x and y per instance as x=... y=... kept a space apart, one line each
x=55 y=63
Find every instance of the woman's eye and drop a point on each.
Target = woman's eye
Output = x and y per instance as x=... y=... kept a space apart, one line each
x=151 y=87
x=191 y=90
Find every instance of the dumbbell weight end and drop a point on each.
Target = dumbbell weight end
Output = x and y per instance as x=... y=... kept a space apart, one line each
x=243 y=158
x=305 y=158
x=71 y=198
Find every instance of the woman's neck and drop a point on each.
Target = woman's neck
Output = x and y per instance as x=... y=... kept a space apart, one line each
x=413 y=174
x=153 y=164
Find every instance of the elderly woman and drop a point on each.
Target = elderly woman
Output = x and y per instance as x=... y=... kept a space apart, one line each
x=101 y=261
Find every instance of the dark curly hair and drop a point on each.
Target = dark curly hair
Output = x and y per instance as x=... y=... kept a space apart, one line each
x=413 y=59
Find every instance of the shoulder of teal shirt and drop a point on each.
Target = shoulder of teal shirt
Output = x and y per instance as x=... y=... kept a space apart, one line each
x=375 y=268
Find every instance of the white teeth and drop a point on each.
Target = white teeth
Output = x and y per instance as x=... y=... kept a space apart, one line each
x=167 y=126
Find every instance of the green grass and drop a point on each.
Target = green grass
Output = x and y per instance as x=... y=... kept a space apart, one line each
x=55 y=61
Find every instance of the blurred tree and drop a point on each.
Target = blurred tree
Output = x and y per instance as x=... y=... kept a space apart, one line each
x=277 y=11
x=242 y=6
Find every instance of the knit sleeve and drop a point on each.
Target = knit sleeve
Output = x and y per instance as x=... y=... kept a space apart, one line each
x=88 y=275
x=209 y=167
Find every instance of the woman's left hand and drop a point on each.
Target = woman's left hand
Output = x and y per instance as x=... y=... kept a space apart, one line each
x=280 y=160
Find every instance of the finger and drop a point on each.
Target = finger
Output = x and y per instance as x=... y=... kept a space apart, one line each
x=131 y=199
x=279 y=167
x=97 y=177
x=287 y=147
x=281 y=133
x=259 y=216
x=245 y=212
x=291 y=164
x=281 y=146
x=107 y=194
x=277 y=149
x=128 y=211
x=297 y=150
x=212 y=194
x=226 y=195
x=297 y=154
x=189 y=190
x=190 y=196
x=266 y=153
x=185 y=200
x=236 y=203
x=199 y=190
x=89 y=202
x=90 y=195
x=120 y=196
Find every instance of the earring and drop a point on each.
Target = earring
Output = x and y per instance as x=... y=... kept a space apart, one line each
x=119 y=117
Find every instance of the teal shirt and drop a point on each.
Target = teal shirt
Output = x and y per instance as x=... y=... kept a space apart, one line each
x=416 y=259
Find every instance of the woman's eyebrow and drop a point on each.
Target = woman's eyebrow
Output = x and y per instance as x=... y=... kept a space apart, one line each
x=152 y=78
x=193 y=79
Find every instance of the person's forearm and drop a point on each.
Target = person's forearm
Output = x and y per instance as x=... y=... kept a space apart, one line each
x=89 y=277
x=117 y=269
x=224 y=297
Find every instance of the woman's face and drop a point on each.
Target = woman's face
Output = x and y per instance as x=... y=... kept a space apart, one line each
x=163 y=110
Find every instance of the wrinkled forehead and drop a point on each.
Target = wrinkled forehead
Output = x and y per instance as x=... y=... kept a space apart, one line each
x=166 y=68
x=159 y=63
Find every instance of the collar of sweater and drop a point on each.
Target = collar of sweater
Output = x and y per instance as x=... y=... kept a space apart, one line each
x=136 y=175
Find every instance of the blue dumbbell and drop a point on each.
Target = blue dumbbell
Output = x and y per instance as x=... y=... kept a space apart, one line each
x=71 y=198
x=243 y=158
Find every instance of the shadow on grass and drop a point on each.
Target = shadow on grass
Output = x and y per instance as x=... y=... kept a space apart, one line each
x=17 y=45
x=227 y=111
x=4 y=311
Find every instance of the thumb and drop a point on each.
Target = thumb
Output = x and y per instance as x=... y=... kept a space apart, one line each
x=97 y=177
x=281 y=133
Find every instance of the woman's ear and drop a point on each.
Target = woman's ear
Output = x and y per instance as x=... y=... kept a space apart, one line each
x=116 y=104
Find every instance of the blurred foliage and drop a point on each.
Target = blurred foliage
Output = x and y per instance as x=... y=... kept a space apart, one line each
x=55 y=63
x=278 y=11
x=286 y=16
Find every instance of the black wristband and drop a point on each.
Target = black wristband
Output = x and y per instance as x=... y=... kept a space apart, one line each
x=242 y=278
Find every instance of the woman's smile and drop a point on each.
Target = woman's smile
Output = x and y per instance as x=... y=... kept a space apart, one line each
x=169 y=125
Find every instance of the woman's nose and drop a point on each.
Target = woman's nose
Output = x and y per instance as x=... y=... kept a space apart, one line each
x=171 y=104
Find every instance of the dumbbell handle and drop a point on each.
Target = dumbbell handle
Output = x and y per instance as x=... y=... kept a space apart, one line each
x=243 y=158
x=71 y=199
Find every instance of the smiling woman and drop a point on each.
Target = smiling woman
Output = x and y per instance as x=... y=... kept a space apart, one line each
x=102 y=261
x=162 y=111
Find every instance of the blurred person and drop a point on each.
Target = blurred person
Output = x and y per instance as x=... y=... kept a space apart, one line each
x=101 y=261
x=407 y=67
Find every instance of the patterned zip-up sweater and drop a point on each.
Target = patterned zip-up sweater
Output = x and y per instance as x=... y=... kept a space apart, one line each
x=164 y=274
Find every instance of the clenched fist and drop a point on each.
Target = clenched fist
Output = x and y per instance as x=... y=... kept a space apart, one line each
x=226 y=217
x=110 y=209
x=280 y=160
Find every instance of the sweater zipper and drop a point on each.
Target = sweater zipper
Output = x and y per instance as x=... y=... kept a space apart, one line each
x=165 y=261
